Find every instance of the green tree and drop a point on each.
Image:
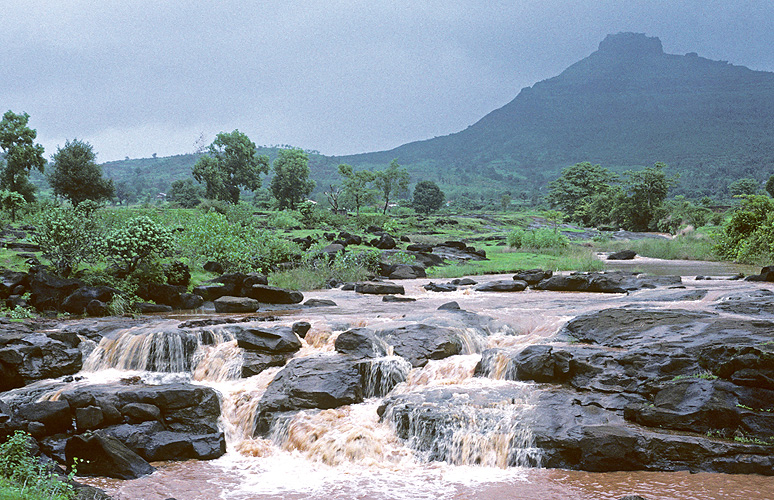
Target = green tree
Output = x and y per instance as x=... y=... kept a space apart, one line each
x=646 y=191
x=392 y=181
x=505 y=201
x=428 y=197
x=744 y=186
x=22 y=155
x=185 y=193
x=231 y=163
x=13 y=201
x=770 y=186
x=576 y=187
x=76 y=175
x=68 y=236
x=356 y=186
x=136 y=242
x=291 y=184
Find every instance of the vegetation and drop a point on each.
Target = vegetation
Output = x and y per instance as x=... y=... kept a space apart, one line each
x=357 y=190
x=748 y=236
x=76 y=176
x=428 y=197
x=22 y=155
x=291 y=184
x=24 y=477
x=392 y=181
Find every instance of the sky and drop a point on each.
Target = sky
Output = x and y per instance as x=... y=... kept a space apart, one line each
x=137 y=77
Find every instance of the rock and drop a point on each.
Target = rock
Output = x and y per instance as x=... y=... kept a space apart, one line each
x=213 y=267
x=56 y=416
x=29 y=356
x=396 y=298
x=360 y=343
x=449 y=306
x=379 y=288
x=96 y=308
x=459 y=245
x=532 y=276
x=161 y=293
x=10 y=281
x=255 y=362
x=605 y=282
x=89 y=418
x=385 y=242
x=320 y=303
x=147 y=308
x=440 y=287
x=418 y=247
x=757 y=303
x=332 y=249
x=464 y=282
x=622 y=255
x=406 y=272
x=418 y=343
x=273 y=295
x=250 y=280
x=279 y=339
x=102 y=455
x=405 y=239
x=301 y=328
x=321 y=381
x=767 y=274
x=136 y=413
x=48 y=292
x=212 y=292
x=191 y=301
x=229 y=304
x=76 y=302
x=502 y=286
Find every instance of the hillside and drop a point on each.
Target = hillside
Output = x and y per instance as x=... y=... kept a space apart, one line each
x=627 y=105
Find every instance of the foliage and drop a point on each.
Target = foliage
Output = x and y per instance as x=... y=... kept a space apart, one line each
x=537 y=239
x=428 y=197
x=392 y=181
x=291 y=184
x=21 y=154
x=27 y=475
x=646 y=190
x=231 y=163
x=770 y=185
x=185 y=193
x=749 y=235
x=691 y=246
x=505 y=201
x=742 y=186
x=356 y=187
x=681 y=212
x=12 y=201
x=576 y=187
x=68 y=236
x=140 y=240
x=316 y=271
x=76 y=175
x=284 y=219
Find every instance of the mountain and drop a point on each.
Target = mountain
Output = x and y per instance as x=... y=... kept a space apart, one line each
x=627 y=105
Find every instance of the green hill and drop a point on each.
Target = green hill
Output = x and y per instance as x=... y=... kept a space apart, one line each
x=627 y=105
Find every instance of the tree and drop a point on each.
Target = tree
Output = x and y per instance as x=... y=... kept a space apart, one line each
x=393 y=180
x=744 y=186
x=185 y=193
x=505 y=201
x=76 y=175
x=428 y=197
x=291 y=184
x=356 y=185
x=576 y=186
x=770 y=186
x=646 y=190
x=231 y=163
x=13 y=201
x=124 y=192
x=21 y=154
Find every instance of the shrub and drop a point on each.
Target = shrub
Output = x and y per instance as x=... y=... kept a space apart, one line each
x=27 y=475
x=749 y=235
x=285 y=219
x=537 y=239
x=68 y=237
x=138 y=241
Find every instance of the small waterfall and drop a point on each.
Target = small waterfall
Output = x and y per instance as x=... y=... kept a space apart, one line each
x=381 y=375
x=498 y=364
x=449 y=371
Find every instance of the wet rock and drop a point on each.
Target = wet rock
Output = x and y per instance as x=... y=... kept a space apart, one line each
x=449 y=306
x=440 y=287
x=463 y=281
x=406 y=272
x=96 y=308
x=273 y=295
x=48 y=292
x=10 y=280
x=213 y=267
x=28 y=356
x=136 y=413
x=360 y=343
x=668 y=295
x=162 y=293
x=148 y=308
x=532 y=276
x=104 y=455
x=279 y=339
x=385 y=242
x=254 y=363
x=320 y=303
x=502 y=286
x=191 y=301
x=88 y=418
x=418 y=343
x=77 y=302
x=755 y=303
x=605 y=282
x=332 y=249
x=419 y=247
x=379 y=288
x=622 y=255
x=229 y=304
x=767 y=274
x=213 y=291
x=301 y=328
x=56 y=416
x=396 y=298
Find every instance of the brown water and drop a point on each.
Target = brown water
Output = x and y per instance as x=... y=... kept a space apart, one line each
x=348 y=453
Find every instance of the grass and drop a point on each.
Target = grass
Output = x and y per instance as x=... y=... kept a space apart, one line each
x=504 y=260
x=688 y=247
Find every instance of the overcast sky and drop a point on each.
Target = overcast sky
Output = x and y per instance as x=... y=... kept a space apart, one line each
x=136 y=77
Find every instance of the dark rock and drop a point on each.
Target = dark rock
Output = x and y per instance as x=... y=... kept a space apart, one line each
x=419 y=343
x=213 y=267
x=191 y=301
x=136 y=413
x=396 y=298
x=406 y=272
x=532 y=276
x=229 y=304
x=89 y=418
x=605 y=282
x=622 y=255
x=767 y=274
x=320 y=303
x=379 y=288
x=147 y=308
x=102 y=455
x=279 y=339
x=161 y=293
x=48 y=292
x=96 y=308
x=405 y=239
x=56 y=416
x=255 y=362
x=252 y=279
x=464 y=282
x=419 y=247
x=28 y=356
x=332 y=249
x=273 y=295
x=10 y=281
x=76 y=302
x=756 y=303
x=449 y=306
x=440 y=287
x=360 y=343
x=502 y=286
x=385 y=242
x=459 y=245
x=301 y=328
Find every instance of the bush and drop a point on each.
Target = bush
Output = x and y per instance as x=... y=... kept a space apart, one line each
x=26 y=475
x=68 y=237
x=749 y=235
x=536 y=239
x=286 y=219
x=140 y=240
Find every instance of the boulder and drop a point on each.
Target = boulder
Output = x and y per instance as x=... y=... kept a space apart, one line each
x=622 y=255
x=102 y=455
x=161 y=293
x=385 y=242
x=211 y=292
x=502 y=286
x=406 y=272
x=96 y=308
x=229 y=304
x=301 y=328
x=320 y=303
x=76 y=302
x=213 y=267
x=397 y=298
x=605 y=282
x=532 y=276
x=273 y=295
x=440 y=287
x=464 y=281
x=449 y=306
x=360 y=343
x=148 y=308
x=191 y=301
x=56 y=416
x=48 y=292
x=279 y=339
x=379 y=288
x=418 y=247
x=255 y=362
x=418 y=343
x=29 y=356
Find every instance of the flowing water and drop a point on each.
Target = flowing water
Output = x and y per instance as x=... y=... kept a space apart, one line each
x=349 y=452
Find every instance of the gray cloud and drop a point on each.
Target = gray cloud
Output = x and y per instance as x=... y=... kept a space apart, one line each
x=138 y=77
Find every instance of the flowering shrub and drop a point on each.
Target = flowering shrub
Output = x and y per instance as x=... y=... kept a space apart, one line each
x=139 y=240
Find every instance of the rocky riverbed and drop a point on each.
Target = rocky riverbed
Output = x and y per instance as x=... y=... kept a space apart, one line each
x=592 y=372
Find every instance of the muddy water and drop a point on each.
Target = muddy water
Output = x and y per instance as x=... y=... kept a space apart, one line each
x=348 y=453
